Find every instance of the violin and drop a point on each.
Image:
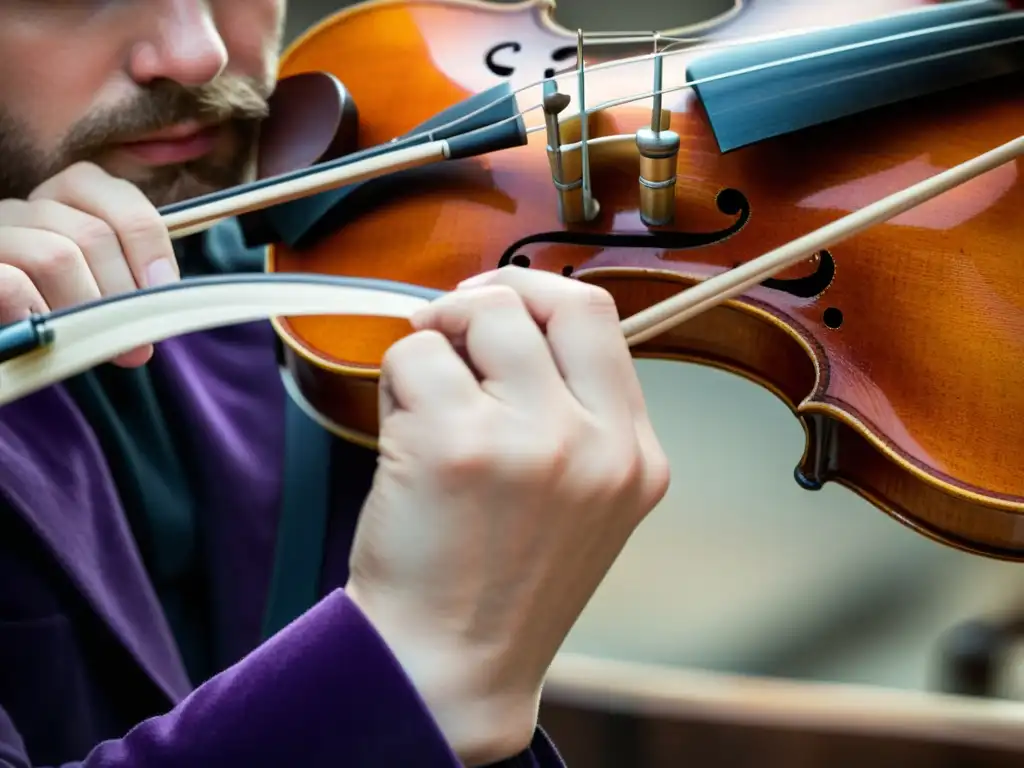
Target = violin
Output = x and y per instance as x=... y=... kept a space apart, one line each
x=805 y=194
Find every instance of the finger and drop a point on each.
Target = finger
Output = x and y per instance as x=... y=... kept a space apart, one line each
x=583 y=330
x=19 y=296
x=502 y=342
x=94 y=237
x=54 y=263
x=59 y=275
x=140 y=231
x=423 y=371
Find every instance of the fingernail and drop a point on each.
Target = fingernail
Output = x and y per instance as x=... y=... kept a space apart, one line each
x=160 y=272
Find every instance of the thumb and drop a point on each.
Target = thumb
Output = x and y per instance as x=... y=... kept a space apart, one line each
x=386 y=402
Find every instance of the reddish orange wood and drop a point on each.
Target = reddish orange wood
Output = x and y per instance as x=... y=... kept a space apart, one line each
x=914 y=401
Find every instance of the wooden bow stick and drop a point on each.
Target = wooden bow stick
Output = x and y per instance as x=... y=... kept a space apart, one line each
x=709 y=293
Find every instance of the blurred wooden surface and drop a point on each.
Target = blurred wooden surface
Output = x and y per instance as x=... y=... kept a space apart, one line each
x=603 y=713
x=590 y=738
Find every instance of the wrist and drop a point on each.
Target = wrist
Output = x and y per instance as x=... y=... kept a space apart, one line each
x=484 y=730
x=483 y=720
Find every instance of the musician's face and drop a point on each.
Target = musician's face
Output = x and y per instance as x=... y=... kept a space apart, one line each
x=91 y=79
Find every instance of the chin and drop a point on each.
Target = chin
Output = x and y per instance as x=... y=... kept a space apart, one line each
x=180 y=190
x=171 y=186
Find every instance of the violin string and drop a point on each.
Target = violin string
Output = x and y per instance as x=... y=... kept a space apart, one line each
x=783 y=34
x=612 y=103
x=578 y=72
x=622 y=136
x=648 y=37
x=430 y=134
x=590 y=70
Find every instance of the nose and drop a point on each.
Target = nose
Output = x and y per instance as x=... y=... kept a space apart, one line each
x=184 y=45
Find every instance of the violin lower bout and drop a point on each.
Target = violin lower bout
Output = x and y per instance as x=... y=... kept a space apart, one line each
x=752 y=340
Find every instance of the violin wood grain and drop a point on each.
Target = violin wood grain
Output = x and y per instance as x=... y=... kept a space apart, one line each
x=901 y=350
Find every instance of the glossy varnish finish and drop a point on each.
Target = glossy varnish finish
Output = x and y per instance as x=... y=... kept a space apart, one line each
x=906 y=367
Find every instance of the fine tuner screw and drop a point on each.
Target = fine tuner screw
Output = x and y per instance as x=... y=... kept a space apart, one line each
x=566 y=169
x=659 y=153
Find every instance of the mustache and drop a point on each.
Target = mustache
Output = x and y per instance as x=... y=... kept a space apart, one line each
x=165 y=103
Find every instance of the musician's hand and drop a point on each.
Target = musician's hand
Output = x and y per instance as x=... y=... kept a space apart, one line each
x=81 y=235
x=506 y=489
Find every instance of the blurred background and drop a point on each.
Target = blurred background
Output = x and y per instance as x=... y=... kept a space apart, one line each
x=742 y=571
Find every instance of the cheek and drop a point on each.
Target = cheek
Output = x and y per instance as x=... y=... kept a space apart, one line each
x=252 y=31
x=48 y=94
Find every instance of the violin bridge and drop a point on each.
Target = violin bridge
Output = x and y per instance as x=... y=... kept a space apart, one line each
x=659 y=154
x=566 y=169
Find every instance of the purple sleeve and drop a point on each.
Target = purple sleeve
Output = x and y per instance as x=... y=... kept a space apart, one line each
x=324 y=692
x=541 y=754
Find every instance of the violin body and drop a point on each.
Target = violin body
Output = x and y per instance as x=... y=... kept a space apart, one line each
x=901 y=349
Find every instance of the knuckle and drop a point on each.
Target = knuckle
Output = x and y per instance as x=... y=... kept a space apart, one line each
x=59 y=257
x=12 y=280
x=497 y=297
x=139 y=221
x=527 y=458
x=615 y=462
x=91 y=232
x=84 y=172
x=71 y=178
x=597 y=299
x=621 y=469
x=461 y=454
x=11 y=210
x=485 y=444
x=659 y=476
x=532 y=454
x=81 y=168
x=16 y=288
x=69 y=184
x=411 y=347
x=642 y=478
x=392 y=357
x=551 y=459
x=552 y=450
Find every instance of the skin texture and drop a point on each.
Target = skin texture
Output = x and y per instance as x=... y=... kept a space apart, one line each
x=77 y=209
x=516 y=460
x=124 y=69
x=516 y=455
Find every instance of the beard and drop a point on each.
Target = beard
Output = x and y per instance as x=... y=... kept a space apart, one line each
x=236 y=105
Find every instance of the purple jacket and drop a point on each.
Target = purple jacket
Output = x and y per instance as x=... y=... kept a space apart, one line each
x=323 y=692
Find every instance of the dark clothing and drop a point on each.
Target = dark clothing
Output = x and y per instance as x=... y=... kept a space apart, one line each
x=139 y=514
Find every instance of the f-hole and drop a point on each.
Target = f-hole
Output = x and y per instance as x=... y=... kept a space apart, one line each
x=522 y=260
x=559 y=56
